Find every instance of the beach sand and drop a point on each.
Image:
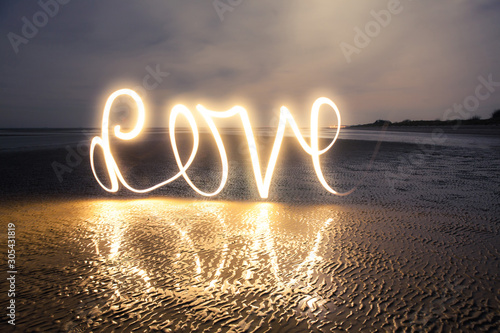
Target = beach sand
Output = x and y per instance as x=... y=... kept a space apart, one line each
x=414 y=248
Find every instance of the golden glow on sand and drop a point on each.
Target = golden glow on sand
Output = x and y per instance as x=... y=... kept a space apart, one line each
x=263 y=182
x=258 y=225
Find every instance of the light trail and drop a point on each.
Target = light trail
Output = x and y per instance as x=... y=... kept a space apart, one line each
x=263 y=182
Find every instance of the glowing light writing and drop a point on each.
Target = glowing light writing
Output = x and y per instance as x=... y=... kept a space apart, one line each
x=263 y=182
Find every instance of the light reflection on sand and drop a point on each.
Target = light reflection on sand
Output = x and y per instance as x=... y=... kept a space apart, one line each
x=251 y=221
x=206 y=274
x=176 y=265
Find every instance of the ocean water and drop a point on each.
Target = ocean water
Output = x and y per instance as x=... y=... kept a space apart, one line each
x=33 y=139
x=11 y=140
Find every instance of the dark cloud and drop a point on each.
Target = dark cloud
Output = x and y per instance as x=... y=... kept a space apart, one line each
x=263 y=54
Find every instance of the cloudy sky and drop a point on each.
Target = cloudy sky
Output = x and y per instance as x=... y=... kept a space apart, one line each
x=260 y=54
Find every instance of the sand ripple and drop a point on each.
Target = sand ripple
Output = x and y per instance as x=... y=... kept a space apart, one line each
x=162 y=265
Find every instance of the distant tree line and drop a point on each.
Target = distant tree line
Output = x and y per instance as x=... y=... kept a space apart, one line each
x=475 y=120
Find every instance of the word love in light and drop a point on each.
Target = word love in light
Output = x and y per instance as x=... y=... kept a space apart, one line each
x=263 y=183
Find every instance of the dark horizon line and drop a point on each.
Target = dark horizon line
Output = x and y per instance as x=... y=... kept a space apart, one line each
x=380 y=122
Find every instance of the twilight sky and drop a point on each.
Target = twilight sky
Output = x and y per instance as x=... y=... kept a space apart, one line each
x=424 y=58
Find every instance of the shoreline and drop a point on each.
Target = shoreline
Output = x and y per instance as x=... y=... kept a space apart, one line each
x=390 y=180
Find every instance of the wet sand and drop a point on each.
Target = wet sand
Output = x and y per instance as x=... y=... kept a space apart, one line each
x=414 y=248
